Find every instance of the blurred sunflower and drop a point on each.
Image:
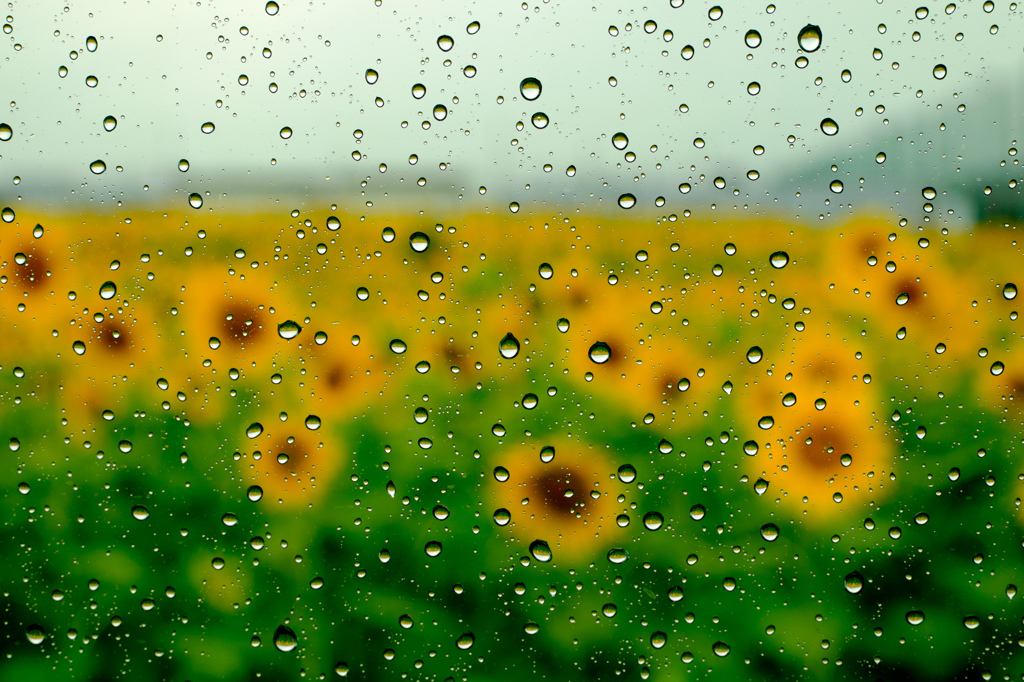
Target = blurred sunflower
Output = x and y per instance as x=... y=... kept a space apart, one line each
x=888 y=284
x=568 y=502
x=37 y=270
x=293 y=464
x=825 y=444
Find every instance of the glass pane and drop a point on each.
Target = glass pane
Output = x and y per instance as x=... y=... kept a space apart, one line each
x=488 y=341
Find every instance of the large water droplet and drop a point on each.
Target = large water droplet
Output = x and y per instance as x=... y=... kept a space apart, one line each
x=140 y=512
x=108 y=290
x=109 y=123
x=770 y=532
x=465 y=640
x=854 y=582
x=779 y=259
x=752 y=39
x=530 y=88
x=254 y=430
x=620 y=141
x=35 y=633
x=285 y=639
x=754 y=355
x=397 y=346
x=273 y=8
x=627 y=200
x=195 y=200
x=600 y=353
x=419 y=242
x=1010 y=291
x=829 y=126
x=98 y=166
x=653 y=520
x=509 y=346
x=809 y=38
x=6 y=133
x=721 y=649
x=939 y=71
x=915 y=617
x=540 y=550
x=288 y=329
x=617 y=555
x=446 y=43
x=372 y=76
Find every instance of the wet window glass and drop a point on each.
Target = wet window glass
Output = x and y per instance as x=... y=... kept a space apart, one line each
x=491 y=341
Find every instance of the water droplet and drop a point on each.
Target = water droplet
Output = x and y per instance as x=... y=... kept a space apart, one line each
x=372 y=76
x=419 y=242
x=540 y=551
x=35 y=633
x=98 y=166
x=446 y=43
x=854 y=582
x=530 y=88
x=939 y=71
x=432 y=548
x=760 y=486
x=125 y=446
x=779 y=259
x=502 y=516
x=547 y=272
x=752 y=39
x=547 y=454
x=659 y=639
x=509 y=346
x=770 y=532
x=286 y=132
x=254 y=493
x=600 y=353
x=562 y=324
x=754 y=355
x=997 y=368
x=78 y=347
x=1010 y=291
x=397 y=346
x=465 y=641
x=836 y=186
x=473 y=27
x=653 y=520
x=626 y=473
x=195 y=200
x=313 y=422
x=207 y=127
x=617 y=555
x=915 y=617
x=6 y=133
x=108 y=290
x=750 y=447
x=766 y=422
x=109 y=123
x=809 y=38
x=721 y=649
x=254 y=430
x=272 y=9
x=627 y=200
x=140 y=512
x=288 y=329
x=284 y=636
x=829 y=126
x=539 y=120
x=501 y=474
x=620 y=141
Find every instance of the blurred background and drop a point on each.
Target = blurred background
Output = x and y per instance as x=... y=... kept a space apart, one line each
x=572 y=342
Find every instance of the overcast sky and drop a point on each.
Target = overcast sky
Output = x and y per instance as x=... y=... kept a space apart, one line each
x=163 y=69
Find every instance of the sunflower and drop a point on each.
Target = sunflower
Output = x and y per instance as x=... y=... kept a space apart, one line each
x=823 y=440
x=884 y=281
x=292 y=464
x=567 y=502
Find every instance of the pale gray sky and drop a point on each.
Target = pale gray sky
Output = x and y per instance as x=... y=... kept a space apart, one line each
x=165 y=68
